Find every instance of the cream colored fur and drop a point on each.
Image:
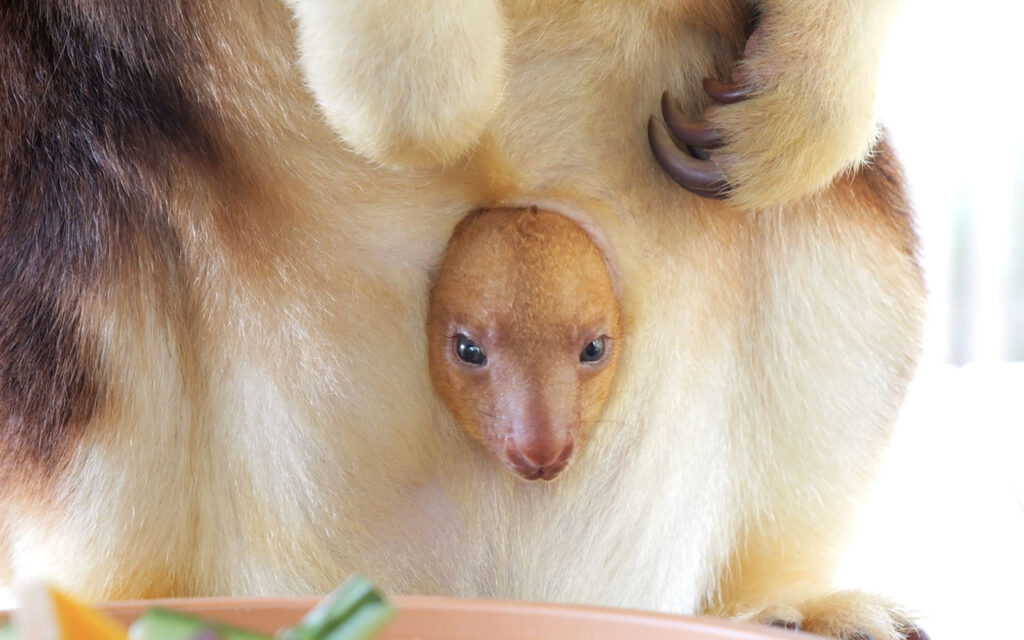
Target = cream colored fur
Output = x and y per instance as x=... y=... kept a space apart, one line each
x=279 y=430
x=409 y=83
x=814 y=67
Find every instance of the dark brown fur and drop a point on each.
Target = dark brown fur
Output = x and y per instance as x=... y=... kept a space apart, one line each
x=94 y=115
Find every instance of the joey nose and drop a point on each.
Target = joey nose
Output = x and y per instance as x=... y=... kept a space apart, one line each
x=537 y=452
x=543 y=449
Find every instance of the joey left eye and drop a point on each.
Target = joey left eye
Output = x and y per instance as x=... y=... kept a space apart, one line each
x=469 y=352
x=594 y=351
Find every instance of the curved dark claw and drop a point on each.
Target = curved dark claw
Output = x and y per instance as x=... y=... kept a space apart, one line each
x=726 y=93
x=690 y=132
x=701 y=177
x=917 y=633
x=791 y=625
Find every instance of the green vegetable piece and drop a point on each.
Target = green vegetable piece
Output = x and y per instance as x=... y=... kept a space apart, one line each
x=355 y=611
x=7 y=632
x=161 y=624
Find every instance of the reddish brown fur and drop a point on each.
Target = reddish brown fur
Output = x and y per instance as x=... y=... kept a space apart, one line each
x=878 y=190
x=532 y=289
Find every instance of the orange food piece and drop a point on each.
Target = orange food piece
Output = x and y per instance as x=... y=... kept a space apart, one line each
x=45 y=612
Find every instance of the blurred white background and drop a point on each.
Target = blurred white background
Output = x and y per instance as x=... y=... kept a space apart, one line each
x=945 y=530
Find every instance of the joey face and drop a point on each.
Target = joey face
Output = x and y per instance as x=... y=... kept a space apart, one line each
x=524 y=336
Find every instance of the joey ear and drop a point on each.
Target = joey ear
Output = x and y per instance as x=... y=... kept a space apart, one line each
x=406 y=88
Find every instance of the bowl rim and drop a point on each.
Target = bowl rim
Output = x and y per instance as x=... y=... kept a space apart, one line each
x=448 y=605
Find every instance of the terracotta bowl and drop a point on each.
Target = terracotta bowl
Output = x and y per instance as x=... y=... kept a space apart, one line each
x=430 y=618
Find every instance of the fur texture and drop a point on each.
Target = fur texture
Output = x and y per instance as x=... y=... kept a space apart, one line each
x=213 y=370
x=413 y=85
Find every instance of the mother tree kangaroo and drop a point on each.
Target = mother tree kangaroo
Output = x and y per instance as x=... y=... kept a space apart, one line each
x=219 y=227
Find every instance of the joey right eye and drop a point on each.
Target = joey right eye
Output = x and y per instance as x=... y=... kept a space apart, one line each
x=593 y=352
x=469 y=352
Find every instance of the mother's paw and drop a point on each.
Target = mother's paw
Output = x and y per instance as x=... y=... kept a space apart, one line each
x=799 y=109
x=404 y=83
x=847 y=615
